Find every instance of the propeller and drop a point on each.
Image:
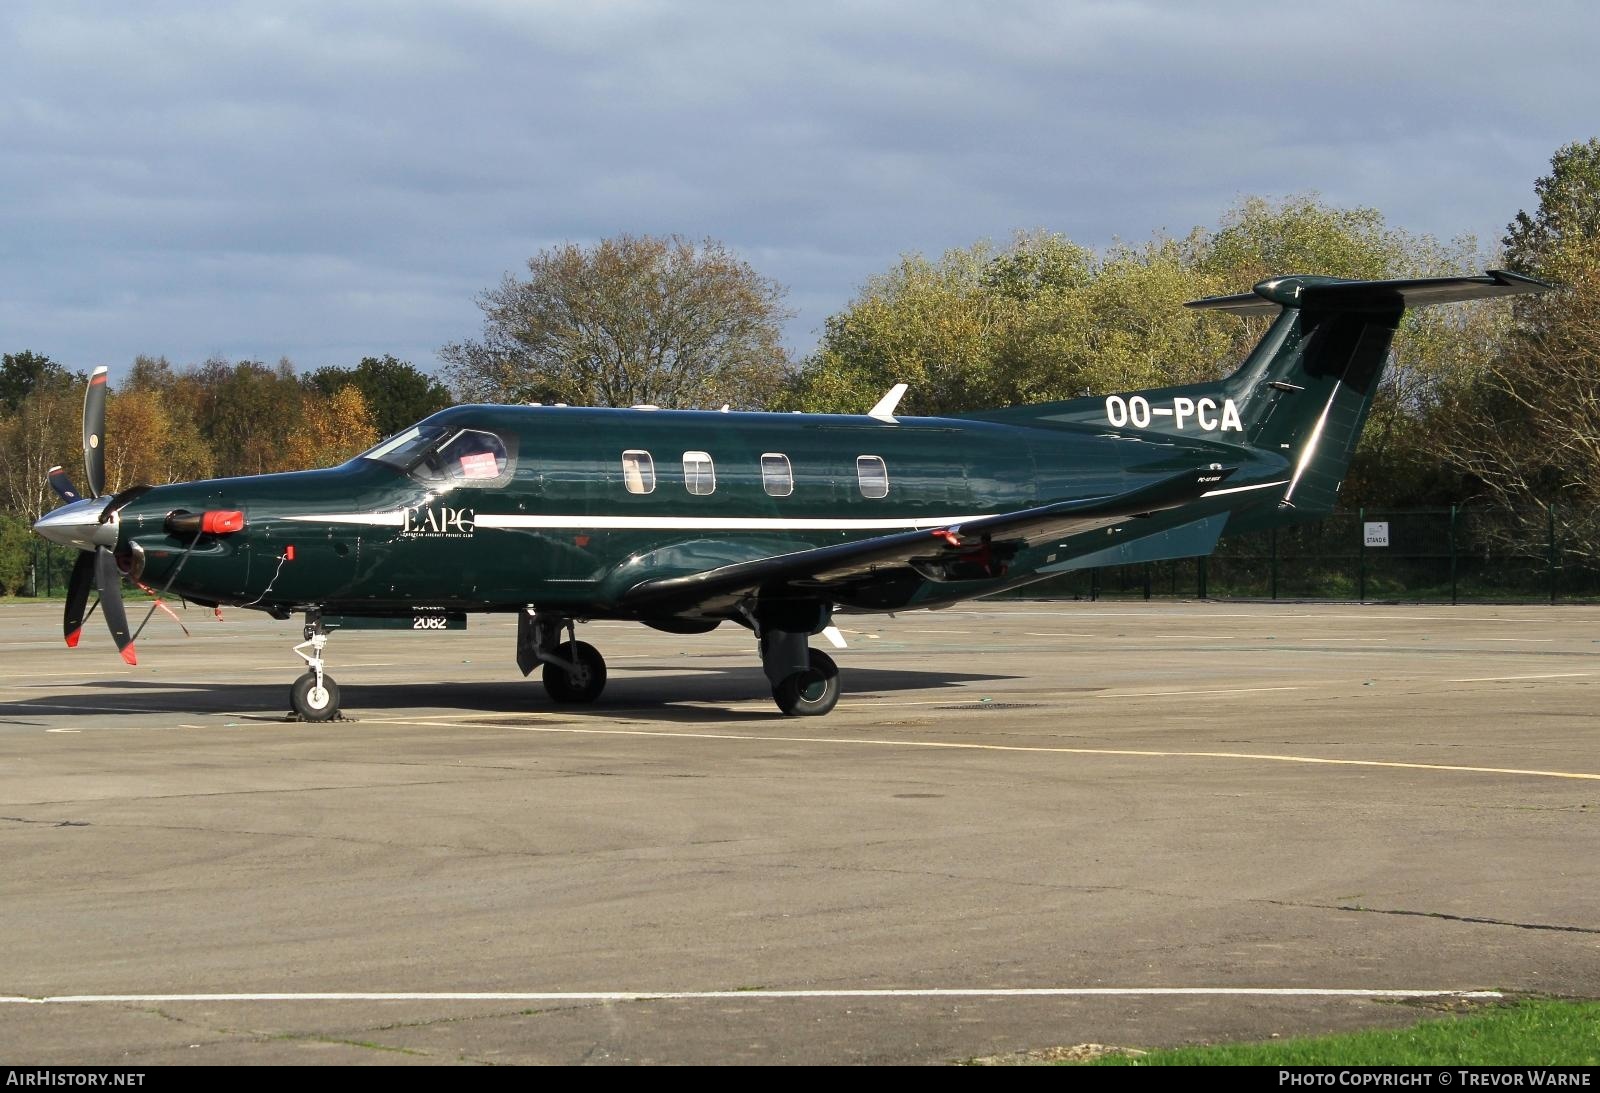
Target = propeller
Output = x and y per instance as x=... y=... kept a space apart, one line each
x=92 y=532
x=91 y=524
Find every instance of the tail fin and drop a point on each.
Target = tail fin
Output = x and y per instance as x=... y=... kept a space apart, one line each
x=1304 y=391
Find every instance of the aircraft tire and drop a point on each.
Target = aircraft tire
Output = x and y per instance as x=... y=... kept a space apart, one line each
x=560 y=684
x=312 y=705
x=811 y=693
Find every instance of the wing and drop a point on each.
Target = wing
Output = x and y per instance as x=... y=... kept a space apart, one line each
x=826 y=568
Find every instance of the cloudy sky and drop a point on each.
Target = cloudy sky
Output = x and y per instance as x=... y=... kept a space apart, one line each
x=325 y=181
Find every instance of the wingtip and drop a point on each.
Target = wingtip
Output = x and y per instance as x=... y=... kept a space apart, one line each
x=72 y=638
x=128 y=654
x=1522 y=280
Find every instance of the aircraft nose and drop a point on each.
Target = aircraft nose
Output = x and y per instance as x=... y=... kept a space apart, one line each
x=78 y=525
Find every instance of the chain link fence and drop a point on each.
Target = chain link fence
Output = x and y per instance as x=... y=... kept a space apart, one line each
x=1447 y=555
x=46 y=569
x=1415 y=555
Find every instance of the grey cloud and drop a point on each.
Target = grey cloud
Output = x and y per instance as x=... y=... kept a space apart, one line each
x=331 y=181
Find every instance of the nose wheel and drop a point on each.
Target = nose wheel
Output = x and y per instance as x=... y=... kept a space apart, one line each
x=315 y=695
x=313 y=700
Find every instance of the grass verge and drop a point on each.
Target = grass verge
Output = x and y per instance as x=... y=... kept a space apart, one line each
x=1532 y=1032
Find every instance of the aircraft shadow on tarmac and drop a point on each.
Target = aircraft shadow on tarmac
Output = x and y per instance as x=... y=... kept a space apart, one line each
x=659 y=697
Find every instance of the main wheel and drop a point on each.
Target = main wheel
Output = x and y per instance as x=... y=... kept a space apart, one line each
x=315 y=703
x=811 y=693
x=586 y=683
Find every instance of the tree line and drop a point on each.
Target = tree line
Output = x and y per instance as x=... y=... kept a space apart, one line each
x=1483 y=402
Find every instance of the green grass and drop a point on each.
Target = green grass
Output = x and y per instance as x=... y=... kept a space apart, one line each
x=1526 y=1033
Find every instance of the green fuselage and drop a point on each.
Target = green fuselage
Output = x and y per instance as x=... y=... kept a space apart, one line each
x=558 y=527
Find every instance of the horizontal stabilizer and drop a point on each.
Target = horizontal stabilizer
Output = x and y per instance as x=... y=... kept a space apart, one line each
x=1339 y=294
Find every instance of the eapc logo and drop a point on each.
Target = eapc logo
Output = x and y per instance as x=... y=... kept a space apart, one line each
x=439 y=522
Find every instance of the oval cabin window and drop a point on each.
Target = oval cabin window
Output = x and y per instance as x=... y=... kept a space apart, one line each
x=777 y=478
x=699 y=475
x=638 y=472
x=872 y=476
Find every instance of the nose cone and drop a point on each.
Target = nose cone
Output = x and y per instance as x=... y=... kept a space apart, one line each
x=78 y=525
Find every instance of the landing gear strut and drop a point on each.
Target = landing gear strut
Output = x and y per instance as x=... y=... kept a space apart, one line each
x=805 y=682
x=315 y=695
x=574 y=671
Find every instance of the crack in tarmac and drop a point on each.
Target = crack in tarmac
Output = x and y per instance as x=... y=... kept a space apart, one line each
x=50 y=823
x=1443 y=916
x=1471 y=919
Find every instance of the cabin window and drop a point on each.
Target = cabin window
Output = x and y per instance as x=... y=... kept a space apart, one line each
x=872 y=476
x=776 y=476
x=638 y=471
x=699 y=476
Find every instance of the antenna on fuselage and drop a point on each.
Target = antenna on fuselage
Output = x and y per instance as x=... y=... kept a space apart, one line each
x=884 y=410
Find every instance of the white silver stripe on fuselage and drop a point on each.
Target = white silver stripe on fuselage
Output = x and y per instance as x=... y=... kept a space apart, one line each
x=555 y=522
x=651 y=523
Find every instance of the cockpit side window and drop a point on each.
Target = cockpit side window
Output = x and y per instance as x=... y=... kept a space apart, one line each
x=471 y=455
x=437 y=453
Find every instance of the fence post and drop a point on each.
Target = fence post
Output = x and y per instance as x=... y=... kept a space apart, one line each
x=1147 y=566
x=1551 y=512
x=1452 y=555
x=1361 y=581
x=1273 y=568
x=1094 y=584
x=1200 y=578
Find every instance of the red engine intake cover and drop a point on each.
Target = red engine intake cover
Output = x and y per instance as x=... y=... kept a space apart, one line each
x=219 y=522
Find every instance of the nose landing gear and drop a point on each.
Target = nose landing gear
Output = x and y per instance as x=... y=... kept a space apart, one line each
x=315 y=695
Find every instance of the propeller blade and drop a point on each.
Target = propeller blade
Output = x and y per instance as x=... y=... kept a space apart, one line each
x=94 y=432
x=63 y=486
x=116 y=503
x=108 y=579
x=78 y=598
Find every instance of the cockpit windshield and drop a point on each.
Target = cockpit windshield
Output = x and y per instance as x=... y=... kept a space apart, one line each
x=440 y=453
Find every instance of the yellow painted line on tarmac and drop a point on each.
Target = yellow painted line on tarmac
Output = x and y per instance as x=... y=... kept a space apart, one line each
x=1206 y=691
x=743 y=995
x=950 y=745
x=60 y=706
x=1509 y=679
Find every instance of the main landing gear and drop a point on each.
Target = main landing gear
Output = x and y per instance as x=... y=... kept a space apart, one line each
x=574 y=671
x=805 y=682
x=315 y=695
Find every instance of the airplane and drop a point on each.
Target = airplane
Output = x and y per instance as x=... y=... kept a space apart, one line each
x=685 y=520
